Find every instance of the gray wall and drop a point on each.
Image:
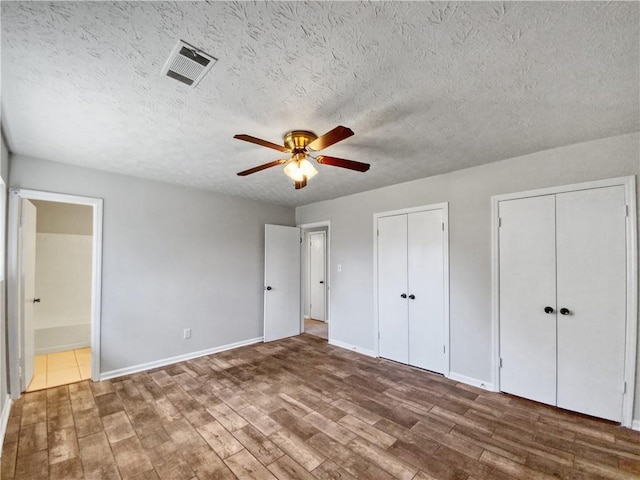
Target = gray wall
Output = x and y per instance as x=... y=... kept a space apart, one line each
x=173 y=258
x=468 y=193
x=4 y=173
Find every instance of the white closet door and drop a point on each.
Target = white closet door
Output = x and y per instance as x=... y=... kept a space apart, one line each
x=393 y=323
x=591 y=285
x=527 y=286
x=426 y=284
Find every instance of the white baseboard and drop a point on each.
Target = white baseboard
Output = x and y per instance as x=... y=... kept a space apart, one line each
x=472 y=381
x=4 y=420
x=307 y=317
x=635 y=425
x=180 y=358
x=62 y=348
x=353 y=348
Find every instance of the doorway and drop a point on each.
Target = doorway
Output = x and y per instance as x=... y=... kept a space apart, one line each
x=315 y=279
x=54 y=256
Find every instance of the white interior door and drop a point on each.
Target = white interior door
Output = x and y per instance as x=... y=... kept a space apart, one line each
x=591 y=249
x=527 y=287
x=393 y=320
x=281 y=282
x=426 y=290
x=317 y=285
x=28 y=268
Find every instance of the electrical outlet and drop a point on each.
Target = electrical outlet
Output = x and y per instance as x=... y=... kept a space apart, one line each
x=187 y=333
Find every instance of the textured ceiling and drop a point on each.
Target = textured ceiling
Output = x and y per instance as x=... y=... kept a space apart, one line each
x=427 y=87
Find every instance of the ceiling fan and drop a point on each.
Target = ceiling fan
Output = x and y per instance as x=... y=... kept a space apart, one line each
x=301 y=144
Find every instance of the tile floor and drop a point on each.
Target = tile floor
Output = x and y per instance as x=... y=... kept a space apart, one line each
x=61 y=368
x=316 y=327
x=302 y=409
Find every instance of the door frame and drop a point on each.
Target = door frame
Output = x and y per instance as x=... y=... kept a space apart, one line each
x=629 y=184
x=327 y=263
x=376 y=325
x=308 y=259
x=14 y=272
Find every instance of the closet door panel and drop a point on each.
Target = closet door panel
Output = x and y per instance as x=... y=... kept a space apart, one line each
x=393 y=320
x=591 y=246
x=527 y=286
x=426 y=284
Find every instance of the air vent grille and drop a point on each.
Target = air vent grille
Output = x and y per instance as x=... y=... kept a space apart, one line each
x=187 y=64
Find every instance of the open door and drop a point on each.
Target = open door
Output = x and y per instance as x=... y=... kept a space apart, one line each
x=28 y=280
x=281 y=282
x=317 y=285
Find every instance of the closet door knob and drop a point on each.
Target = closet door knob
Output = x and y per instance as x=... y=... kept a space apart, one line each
x=548 y=309
x=36 y=300
x=269 y=288
x=565 y=311
x=404 y=295
x=412 y=296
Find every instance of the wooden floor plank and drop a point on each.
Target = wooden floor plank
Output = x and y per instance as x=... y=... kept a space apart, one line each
x=300 y=408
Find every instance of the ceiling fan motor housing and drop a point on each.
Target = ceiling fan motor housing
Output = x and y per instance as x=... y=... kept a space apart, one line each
x=297 y=140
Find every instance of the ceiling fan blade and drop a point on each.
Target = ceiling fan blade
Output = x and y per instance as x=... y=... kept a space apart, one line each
x=334 y=136
x=244 y=173
x=300 y=183
x=264 y=143
x=341 y=162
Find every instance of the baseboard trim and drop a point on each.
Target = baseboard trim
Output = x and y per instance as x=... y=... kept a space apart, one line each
x=4 y=420
x=472 y=381
x=62 y=348
x=353 y=348
x=635 y=425
x=180 y=358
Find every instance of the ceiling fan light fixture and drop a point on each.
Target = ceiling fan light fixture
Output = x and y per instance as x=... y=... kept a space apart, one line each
x=299 y=143
x=299 y=170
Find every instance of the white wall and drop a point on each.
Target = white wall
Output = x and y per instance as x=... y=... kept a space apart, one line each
x=63 y=284
x=173 y=258
x=63 y=279
x=468 y=193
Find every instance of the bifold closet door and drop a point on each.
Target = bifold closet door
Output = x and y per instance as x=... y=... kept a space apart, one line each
x=591 y=259
x=527 y=287
x=426 y=290
x=393 y=319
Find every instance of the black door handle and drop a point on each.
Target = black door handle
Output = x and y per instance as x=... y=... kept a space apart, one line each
x=412 y=296
x=269 y=288
x=404 y=295
x=321 y=281
x=565 y=311
x=548 y=309
x=36 y=300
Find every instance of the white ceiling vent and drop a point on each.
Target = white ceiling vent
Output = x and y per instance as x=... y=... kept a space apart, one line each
x=187 y=64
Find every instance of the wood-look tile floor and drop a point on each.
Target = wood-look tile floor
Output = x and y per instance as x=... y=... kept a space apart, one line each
x=316 y=328
x=302 y=409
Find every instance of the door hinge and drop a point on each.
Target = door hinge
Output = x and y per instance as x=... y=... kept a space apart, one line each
x=499 y=222
x=300 y=239
x=444 y=349
x=624 y=388
x=500 y=363
x=378 y=335
x=377 y=233
x=443 y=226
x=626 y=210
